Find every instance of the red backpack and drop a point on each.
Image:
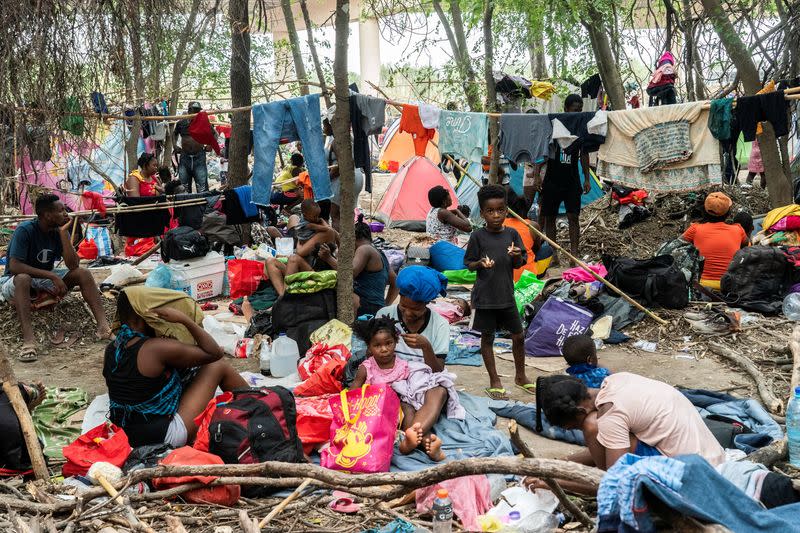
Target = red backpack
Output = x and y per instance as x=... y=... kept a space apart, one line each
x=257 y=425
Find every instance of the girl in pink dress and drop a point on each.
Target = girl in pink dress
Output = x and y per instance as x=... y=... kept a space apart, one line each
x=411 y=381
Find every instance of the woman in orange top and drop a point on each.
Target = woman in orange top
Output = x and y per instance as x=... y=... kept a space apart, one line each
x=144 y=180
x=529 y=238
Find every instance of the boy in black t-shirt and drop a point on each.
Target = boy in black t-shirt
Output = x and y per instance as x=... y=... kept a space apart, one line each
x=562 y=183
x=494 y=252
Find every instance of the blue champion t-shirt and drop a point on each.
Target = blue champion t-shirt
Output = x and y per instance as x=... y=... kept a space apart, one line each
x=34 y=247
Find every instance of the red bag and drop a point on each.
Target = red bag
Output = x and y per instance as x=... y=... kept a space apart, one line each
x=87 y=249
x=314 y=417
x=226 y=495
x=326 y=380
x=138 y=246
x=104 y=443
x=204 y=419
x=318 y=356
x=244 y=276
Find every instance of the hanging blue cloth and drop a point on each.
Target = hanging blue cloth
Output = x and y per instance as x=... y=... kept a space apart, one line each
x=295 y=119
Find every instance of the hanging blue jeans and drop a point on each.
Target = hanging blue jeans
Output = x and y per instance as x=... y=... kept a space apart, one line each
x=193 y=166
x=296 y=119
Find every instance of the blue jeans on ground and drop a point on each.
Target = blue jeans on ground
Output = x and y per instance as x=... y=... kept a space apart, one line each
x=193 y=167
x=296 y=119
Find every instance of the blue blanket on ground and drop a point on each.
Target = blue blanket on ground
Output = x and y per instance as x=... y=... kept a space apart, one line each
x=688 y=486
x=475 y=436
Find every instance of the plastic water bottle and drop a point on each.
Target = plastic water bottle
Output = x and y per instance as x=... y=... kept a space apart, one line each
x=793 y=428
x=442 y=511
x=284 y=356
x=791 y=306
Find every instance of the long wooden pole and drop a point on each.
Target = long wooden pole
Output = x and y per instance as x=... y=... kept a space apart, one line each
x=10 y=387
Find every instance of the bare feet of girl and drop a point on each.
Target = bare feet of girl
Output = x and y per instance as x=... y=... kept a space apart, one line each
x=433 y=447
x=412 y=440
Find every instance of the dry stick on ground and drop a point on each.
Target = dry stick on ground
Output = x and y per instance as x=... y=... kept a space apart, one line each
x=147 y=254
x=524 y=449
x=289 y=499
x=769 y=455
x=794 y=346
x=25 y=421
x=772 y=403
x=176 y=526
x=247 y=524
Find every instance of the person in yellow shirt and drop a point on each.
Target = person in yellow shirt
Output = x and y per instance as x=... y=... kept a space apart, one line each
x=287 y=194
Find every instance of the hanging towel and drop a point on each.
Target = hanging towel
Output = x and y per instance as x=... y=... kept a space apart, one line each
x=295 y=119
x=464 y=134
x=719 y=118
x=429 y=115
x=662 y=145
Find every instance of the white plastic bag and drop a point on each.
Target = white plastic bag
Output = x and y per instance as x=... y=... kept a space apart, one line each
x=226 y=334
x=122 y=273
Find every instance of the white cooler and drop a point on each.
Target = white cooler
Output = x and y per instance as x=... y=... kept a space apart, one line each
x=203 y=276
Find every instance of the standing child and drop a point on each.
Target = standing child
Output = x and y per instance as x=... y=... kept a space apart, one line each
x=581 y=354
x=419 y=388
x=494 y=252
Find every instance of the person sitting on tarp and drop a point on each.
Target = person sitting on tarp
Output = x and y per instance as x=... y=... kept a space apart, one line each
x=157 y=385
x=31 y=280
x=715 y=239
x=442 y=223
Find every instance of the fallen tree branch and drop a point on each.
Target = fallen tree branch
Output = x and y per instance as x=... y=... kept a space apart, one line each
x=769 y=455
x=772 y=403
x=282 y=474
x=524 y=449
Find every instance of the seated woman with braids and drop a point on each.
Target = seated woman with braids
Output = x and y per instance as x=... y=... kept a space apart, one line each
x=627 y=414
x=157 y=386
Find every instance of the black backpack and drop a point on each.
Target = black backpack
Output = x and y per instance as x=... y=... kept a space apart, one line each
x=757 y=279
x=183 y=242
x=298 y=315
x=257 y=425
x=654 y=281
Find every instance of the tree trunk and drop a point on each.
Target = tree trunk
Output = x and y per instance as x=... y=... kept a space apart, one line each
x=491 y=92
x=344 y=154
x=138 y=81
x=178 y=68
x=241 y=93
x=609 y=73
x=536 y=52
x=294 y=43
x=688 y=36
x=778 y=185
x=458 y=44
x=314 y=57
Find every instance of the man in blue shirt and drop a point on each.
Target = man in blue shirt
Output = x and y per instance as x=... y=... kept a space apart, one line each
x=32 y=253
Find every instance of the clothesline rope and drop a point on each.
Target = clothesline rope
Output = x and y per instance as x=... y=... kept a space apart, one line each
x=790 y=94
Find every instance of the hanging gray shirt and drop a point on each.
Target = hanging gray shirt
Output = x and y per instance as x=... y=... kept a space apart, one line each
x=525 y=138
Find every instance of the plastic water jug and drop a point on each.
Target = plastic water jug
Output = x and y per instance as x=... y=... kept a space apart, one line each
x=285 y=246
x=793 y=427
x=285 y=355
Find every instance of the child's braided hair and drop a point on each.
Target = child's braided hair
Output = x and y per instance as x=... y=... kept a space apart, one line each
x=366 y=329
x=559 y=398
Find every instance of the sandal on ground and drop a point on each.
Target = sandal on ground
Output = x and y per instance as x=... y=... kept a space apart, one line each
x=27 y=354
x=496 y=393
x=344 y=503
x=530 y=388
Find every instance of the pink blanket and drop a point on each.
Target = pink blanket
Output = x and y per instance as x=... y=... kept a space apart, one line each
x=579 y=274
